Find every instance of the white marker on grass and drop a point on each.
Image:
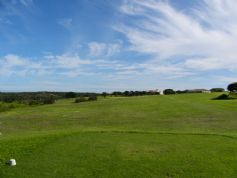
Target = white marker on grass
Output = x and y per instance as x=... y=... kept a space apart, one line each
x=12 y=162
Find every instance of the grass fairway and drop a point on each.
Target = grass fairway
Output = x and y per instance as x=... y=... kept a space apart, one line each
x=186 y=135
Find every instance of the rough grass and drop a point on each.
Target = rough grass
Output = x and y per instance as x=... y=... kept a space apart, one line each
x=187 y=135
x=8 y=106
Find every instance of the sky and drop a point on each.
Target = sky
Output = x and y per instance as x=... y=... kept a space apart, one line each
x=104 y=45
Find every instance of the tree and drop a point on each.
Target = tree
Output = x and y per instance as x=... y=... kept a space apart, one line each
x=232 y=87
x=217 y=90
x=42 y=98
x=70 y=95
x=181 y=91
x=168 y=92
x=126 y=93
x=49 y=99
x=104 y=94
x=117 y=93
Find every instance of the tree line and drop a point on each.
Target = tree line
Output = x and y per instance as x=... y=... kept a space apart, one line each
x=132 y=93
x=171 y=91
x=38 y=98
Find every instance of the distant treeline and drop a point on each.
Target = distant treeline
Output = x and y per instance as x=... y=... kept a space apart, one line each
x=156 y=92
x=171 y=91
x=35 y=98
x=132 y=93
x=200 y=90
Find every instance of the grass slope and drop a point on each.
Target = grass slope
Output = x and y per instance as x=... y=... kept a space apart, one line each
x=152 y=136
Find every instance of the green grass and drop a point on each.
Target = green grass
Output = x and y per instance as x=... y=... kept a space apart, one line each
x=187 y=135
x=8 y=106
x=233 y=95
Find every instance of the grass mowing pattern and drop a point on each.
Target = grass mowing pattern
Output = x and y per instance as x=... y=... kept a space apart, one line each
x=153 y=136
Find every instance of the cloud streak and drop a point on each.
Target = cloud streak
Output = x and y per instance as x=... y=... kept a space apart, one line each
x=102 y=49
x=148 y=42
x=202 y=39
x=68 y=65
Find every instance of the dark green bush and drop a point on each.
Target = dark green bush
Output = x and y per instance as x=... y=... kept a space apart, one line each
x=34 y=102
x=92 y=98
x=81 y=99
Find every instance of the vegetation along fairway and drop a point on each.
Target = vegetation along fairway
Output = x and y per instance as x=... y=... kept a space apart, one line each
x=186 y=135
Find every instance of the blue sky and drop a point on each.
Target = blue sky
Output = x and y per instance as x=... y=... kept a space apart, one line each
x=104 y=45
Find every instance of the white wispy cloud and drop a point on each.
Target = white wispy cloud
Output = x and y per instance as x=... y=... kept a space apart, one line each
x=12 y=64
x=202 y=38
x=67 y=64
x=14 y=60
x=97 y=49
x=66 y=61
x=104 y=49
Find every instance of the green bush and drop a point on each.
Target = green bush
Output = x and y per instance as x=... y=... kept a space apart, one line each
x=34 y=102
x=81 y=99
x=92 y=98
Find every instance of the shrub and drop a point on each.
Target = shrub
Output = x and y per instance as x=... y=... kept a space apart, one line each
x=33 y=102
x=81 y=99
x=92 y=98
